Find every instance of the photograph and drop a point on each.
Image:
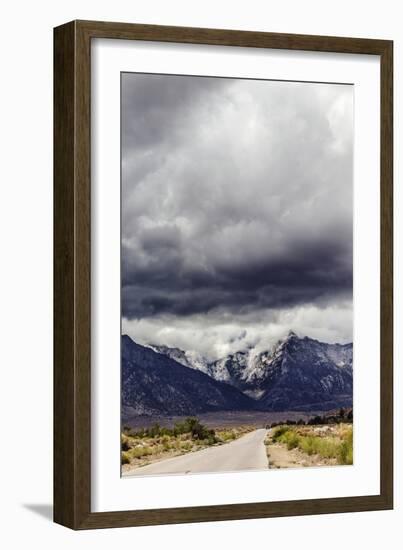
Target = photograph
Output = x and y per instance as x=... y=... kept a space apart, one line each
x=236 y=274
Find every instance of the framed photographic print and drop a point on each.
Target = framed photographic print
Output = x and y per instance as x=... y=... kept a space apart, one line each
x=222 y=275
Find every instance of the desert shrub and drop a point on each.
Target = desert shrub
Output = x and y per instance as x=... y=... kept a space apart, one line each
x=199 y=431
x=141 y=451
x=307 y=445
x=185 y=426
x=125 y=458
x=327 y=447
x=154 y=431
x=212 y=440
x=286 y=435
x=345 y=454
x=125 y=443
x=228 y=436
x=137 y=452
x=186 y=445
x=278 y=432
x=194 y=427
x=348 y=436
x=291 y=440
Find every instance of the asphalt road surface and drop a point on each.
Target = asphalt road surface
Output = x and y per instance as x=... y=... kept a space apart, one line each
x=246 y=453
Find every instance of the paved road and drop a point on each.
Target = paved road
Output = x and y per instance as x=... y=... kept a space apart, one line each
x=246 y=453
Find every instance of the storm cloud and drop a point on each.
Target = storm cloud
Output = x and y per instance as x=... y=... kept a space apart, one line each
x=236 y=209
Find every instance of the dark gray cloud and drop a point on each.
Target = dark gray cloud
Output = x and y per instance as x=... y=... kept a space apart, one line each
x=166 y=286
x=155 y=108
x=236 y=197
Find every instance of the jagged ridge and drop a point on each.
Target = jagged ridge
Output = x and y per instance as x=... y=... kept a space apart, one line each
x=296 y=373
x=154 y=384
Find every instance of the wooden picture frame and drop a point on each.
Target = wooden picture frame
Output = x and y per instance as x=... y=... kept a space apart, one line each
x=72 y=270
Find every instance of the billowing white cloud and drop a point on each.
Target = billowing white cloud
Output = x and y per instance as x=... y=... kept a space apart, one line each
x=215 y=336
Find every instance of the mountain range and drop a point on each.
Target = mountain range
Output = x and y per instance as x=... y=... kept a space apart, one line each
x=294 y=374
x=153 y=384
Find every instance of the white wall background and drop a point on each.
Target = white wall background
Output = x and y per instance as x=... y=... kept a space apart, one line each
x=26 y=270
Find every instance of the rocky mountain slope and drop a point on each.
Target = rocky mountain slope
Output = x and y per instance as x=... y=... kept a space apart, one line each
x=306 y=374
x=154 y=384
x=190 y=359
x=296 y=373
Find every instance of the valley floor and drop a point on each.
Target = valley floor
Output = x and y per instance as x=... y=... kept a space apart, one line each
x=223 y=419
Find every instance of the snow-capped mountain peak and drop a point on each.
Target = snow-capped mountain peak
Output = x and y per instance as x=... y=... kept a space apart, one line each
x=294 y=369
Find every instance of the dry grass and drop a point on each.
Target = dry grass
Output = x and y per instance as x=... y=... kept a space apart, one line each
x=328 y=441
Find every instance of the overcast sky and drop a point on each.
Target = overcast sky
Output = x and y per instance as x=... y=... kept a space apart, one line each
x=236 y=211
